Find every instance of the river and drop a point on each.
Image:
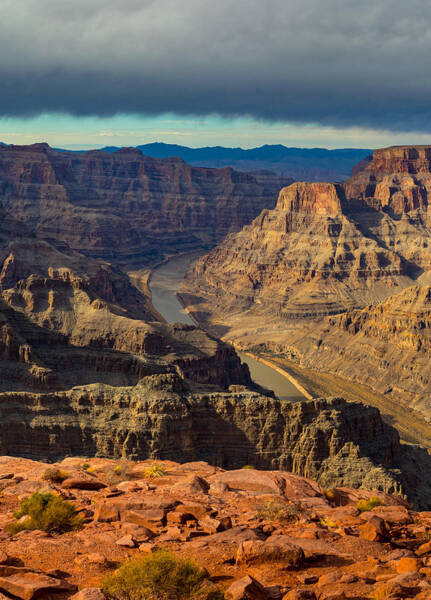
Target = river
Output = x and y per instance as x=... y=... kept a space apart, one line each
x=166 y=280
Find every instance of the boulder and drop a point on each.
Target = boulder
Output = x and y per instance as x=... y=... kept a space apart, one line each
x=218 y=487
x=255 y=551
x=401 y=586
x=192 y=485
x=424 y=549
x=83 y=484
x=149 y=518
x=247 y=588
x=179 y=516
x=394 y=515
x=329 y=578
x=27 y=586
x=139 y=533
x=127 y=540
x=374 y=529
x=408 y=565
x=106 y=512
x=287 y=485
x=211 y=525
x=197 y=510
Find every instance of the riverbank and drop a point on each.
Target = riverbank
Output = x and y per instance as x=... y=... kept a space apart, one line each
x=413 y=429
x=287 y=379
x=411 y=426
x=277 y=369
x=282 y=372
x=163 y=284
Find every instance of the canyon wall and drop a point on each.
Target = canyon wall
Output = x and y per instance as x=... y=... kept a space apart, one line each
x=336 y=442
x=335 y=277
x=86 y=368
x=127 y=208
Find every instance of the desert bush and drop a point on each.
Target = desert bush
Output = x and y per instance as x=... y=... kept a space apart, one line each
x=366 y=505
x=86 y=466
x=160 y=576
x=275 y=511
x=55 y=475
x=329 y=495
x=382 y=592
x=120 y=472
x=155 y=471
x=48 y=512
x=247 y=467
x=327 y=522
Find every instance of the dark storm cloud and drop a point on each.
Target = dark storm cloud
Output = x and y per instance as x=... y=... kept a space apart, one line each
x=338 y=62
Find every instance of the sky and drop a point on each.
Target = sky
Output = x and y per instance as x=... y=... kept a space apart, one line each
x=331 y=73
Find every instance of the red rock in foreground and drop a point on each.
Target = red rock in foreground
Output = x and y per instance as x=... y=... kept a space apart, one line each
x=278 y=535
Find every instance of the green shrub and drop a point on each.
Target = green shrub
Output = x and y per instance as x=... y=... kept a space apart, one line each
x=160 y=576
x=247 y=467
x=55 y=475
x=86 y=466
x=366 y=505
x=48 y=512
x=155 y=471
x=275 y=511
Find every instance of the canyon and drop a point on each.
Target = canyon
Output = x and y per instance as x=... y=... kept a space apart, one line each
x=88 y=366
x=335 y=278
x=127 y=208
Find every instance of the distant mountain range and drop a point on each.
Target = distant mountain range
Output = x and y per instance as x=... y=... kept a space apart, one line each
x=311 y=164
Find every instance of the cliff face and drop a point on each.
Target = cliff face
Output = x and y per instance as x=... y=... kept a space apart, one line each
x=67 y=320
x=386 y=346
x=329 y=250
x=125 y=207
x=307 y=257
x=336 y=442
x=397 y=179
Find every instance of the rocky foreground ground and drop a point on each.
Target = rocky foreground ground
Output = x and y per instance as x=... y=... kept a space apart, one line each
x=262 y=535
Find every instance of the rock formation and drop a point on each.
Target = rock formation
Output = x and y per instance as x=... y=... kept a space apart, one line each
x=67 y=320
x=387 y=346
x=337 y=443
x=360 y=250
x=125 y=207
x=259 y=534
x=86 y=368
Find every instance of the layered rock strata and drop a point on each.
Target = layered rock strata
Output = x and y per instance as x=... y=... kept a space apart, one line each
x=337 y=443
x=85 y=369
x=360 y=250
x=67 y=320
x=125 y=207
